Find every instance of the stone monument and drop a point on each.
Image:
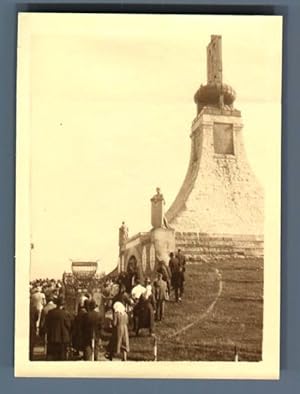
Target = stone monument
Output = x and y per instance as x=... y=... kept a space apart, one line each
x=218 y=212
x=220 y=199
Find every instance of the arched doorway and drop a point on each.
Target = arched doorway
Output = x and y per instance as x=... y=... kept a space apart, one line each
x=132 y=264
x=132 y=271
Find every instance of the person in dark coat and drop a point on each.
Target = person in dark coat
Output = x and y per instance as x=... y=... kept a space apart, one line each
x=92 y=327
x=175 y=276
x=144 y=311
x=33 y=318
x=77 y=330
x=58 y=330
x=182 y=261
x=134 y=273
x=50 y=305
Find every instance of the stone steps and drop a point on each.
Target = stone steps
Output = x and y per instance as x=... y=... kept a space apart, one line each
x=200 y=247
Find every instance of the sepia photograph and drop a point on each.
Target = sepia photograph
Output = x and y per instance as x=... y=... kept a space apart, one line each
x=148 y=185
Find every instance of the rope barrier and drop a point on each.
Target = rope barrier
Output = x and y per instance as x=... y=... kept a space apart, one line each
x=200 y=318
x=204 y=314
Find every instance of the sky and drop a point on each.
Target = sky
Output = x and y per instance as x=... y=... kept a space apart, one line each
x=111 y=100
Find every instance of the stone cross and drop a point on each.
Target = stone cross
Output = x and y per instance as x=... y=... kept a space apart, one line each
x=214 y=60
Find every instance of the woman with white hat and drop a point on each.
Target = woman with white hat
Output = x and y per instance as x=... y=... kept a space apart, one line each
x=119 y=342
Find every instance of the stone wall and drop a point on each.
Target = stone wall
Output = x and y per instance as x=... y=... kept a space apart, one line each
x=148 y=249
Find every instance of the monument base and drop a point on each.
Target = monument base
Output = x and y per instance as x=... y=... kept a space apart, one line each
x=201 y=247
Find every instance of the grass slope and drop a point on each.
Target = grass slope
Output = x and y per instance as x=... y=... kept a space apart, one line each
x=233 y=325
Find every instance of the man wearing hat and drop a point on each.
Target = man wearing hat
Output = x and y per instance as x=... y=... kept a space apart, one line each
x=92 y=325
x=164 y=270
x=58 y=329
x=50 y=305
x=176 y=275
x=160 y=293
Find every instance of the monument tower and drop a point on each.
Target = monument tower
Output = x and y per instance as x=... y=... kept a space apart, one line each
x=218 y=211
x=220 y=198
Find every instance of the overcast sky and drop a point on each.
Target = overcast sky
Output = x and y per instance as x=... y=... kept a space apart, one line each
x=111 y=111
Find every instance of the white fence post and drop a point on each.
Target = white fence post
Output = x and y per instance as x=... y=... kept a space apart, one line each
x=155 y=348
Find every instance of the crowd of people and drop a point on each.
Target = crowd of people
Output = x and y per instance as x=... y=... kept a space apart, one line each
x=106 y=312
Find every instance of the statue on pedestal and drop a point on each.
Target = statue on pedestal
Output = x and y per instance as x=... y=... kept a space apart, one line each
x=123 y=235
x=157 y=197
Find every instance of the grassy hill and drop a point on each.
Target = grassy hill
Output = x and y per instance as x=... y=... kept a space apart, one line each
x=221 y=315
